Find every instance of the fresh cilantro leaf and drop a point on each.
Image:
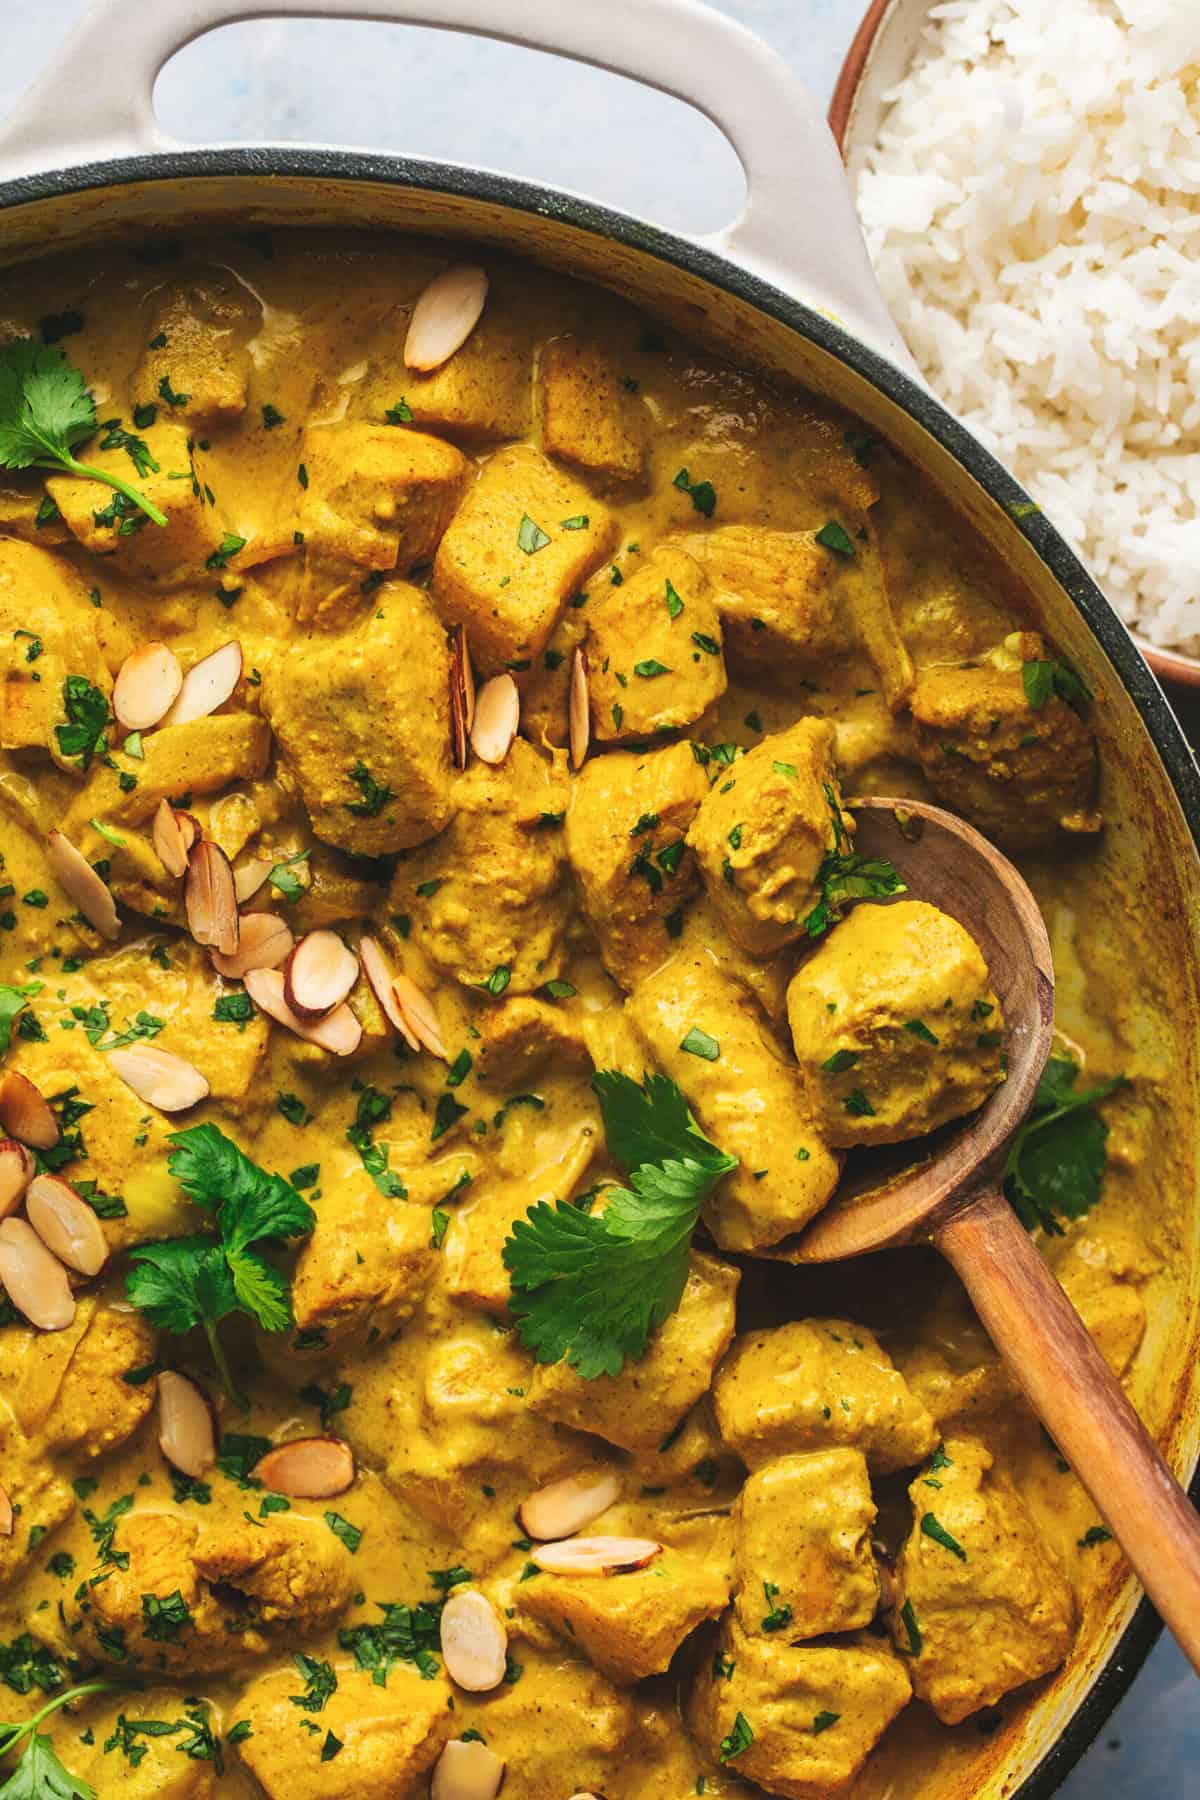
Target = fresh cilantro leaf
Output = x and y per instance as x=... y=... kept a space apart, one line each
x=1056 y=1164
x=703 y=493
x=86 y=708
x=835 y=537
x=375 y=796
x=39 y=1774
x=845 y=876
x=939 y=1534
x=1042 y=679
x=321 y=1683
x=12 y=1000
x=738 y=1739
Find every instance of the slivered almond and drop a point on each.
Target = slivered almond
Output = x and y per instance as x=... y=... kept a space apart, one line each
x=207 y=685
x=264 y=942
x=318 y=975
x=147 y=685
x=159 y=1077
x=189 y=828
x=445 y=315
x=420 y=1020
x=16 y=1172
x=78 y=879
x=497 y=715
x=595 y=1555
x=66 y=1224
x=566 y=1506
x=579 y=718
x=339 y=1032
x=186 y=1435
x=25 y=1114
x=312 y=1468
x=462 y=696
x=33 y=1278
x=167 y=835
x=379 y=975
x=460 y=647
x=210 y=899
x=474 y=1642
x=248 y=877
x=6 y=1514
x=467 y=1771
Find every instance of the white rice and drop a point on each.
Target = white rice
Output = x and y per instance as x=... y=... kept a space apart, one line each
x=1032 y=207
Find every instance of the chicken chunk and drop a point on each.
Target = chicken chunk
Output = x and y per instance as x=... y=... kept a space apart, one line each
x=365 y=1267
x=589 y=415
x=562 y=1729
x=762 y=833
x=642 y=1405
x=153 y=1743
x=389 y=1736
x=485 y=899
x=484 y=392
x=626 y=825
x=48 y=631
x=803 y=1547
x=895 y=1024
x=1020 y=774
x=799 y=1720
x=702 y=1031
x=377 y=500
x=363 y=719
x=817 y=1384
x=196 y=362
x=780 y=597
x=629 y=1626
x=654 y=655
x=525 y=538
x=200 y=757
x=981 y=1604
x=43 y=1496
x=520 y=1038
x=97 y=1408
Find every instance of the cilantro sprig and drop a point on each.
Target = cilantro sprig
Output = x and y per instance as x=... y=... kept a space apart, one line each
x=845 y=876
x=1056 y=1165
x=591 y=1288
x=12 y=1001
x=194 y=1281
x=38 y=1774
x=45 y=410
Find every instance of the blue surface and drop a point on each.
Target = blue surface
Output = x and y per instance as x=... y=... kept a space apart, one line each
x=436 y=94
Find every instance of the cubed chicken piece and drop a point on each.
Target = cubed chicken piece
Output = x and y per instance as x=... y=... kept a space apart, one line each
x=628 y=818
x=289 y=1571
x=589 y=415
x=817 y=1384
x=336 y=893
x=485 y=898
x=196 y=535
x=654 y=655
x=377 y=499
x=703 y=1031
x=97 y=1408
x=763 y=832
x=366 y=1266
x=763 y=981
x=780 y=598
x=201 y=757
x=43 y=1496
x=803 y=1546
x=196 y=364
x=519 y=1038
x=48 y=631
x=484 y=392
x=799 y=1720
x=363 y=719
x=169 y=1744
x=523 y=541
x=1020 y=774
x=981 y=1604
x=561 y=1730
x=642 y=1405
x=629 y=1626
x=390 y=1736
x=895 y=1024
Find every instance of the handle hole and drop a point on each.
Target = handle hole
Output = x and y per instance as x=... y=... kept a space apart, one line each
x=425 y=92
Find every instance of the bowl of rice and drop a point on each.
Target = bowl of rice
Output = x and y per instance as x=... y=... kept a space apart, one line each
x=1027 y=173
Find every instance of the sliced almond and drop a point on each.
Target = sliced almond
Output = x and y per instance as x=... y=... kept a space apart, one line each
x=319 y=974
x=474 y=1642
x=497 y=715
x=420 y=1020
x=248 y=877
x=159 y=1077
x=171 y=846
x=147 y=686
x=16 y=1173
x=264 y=942
x=66 y=1224
x=462 y=695
x=566 y=1506
x=339 y=1032
x=459 y=728
x=312 y=1468
x=189 y=828
x=459 y=646
x=595 y=1555
x=33 y=1278
x=6 y=1513
x=380 y=978
x=25 y=1114
x=80 y=882
x=207 y=685
x=210 y=899
x=467 y=1771
x=186 y=1434
x=579 y=718
x=445 y=316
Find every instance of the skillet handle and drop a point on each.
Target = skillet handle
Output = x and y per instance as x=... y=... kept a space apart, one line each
x=798 y=229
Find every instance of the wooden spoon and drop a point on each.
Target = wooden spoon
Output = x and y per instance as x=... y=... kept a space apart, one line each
x=951 y=1196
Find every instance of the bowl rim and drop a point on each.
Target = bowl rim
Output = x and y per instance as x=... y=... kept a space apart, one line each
x=1174 y=666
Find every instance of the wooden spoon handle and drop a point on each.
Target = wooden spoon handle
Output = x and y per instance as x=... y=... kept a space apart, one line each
x=1082 y=1405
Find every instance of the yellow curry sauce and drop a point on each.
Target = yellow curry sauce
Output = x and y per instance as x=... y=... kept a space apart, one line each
x=571 y=476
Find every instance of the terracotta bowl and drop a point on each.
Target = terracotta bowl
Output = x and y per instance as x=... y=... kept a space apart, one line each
x=883 y=47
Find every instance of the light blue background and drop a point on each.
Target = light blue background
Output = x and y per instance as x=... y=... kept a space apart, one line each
x=435 y=94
